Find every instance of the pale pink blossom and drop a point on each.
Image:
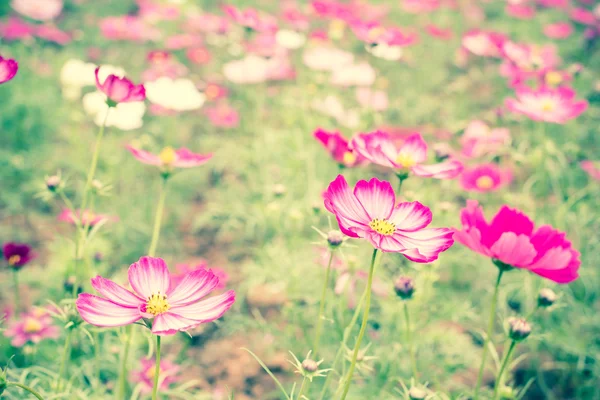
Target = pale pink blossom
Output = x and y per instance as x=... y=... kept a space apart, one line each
x=556 y=105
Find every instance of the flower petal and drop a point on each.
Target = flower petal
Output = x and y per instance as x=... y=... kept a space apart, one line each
x=425 y=245
x=101 y=312
x=206 y=310
x=144 y=156
x=149 y=276
x=513 y=249
x=170 y=323
x=445 y=170
x=116 y=293
x=415 y=147
x=411 y=216
x=340 y=201
x=193 y=286
x=376 y=197
x=508 y=220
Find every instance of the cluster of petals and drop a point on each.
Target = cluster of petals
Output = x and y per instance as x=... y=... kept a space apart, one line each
x=479 y=139
x=128 y=28
x=524 y=61
x=485 y=178
x=375 y=33
x=484 y=43
x=370 y=212
x=512 y=239
x=120 y=89
x=17 y=255
x=85 y=218
x=31 y=327
x=380 y=148
x=172 y=308
x=17 y=29
x=556 y=105
x=8 y=69
x=251 y=18
x=169 y=157
x=338 y=147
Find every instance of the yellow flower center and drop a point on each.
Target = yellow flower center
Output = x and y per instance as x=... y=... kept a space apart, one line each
x=484 y=182
x=167 y=155
x=374 y=33
x=212 y=91
x=349 y=158
x=32 y=325
x=157 y=304
x=14 y=259
x=548 y=105
x=405 y=160
x=553 y=78
x=336 y=29
x=382 y=226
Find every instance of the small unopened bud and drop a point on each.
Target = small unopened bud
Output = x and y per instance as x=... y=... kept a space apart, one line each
x=310 y=365
x=52 y=182
x=97 y=185
x=416 y=393
x=519 y=329
x=546 y=298
x=335 y=238
x=279 y=190
x=404 y=287
x=98 y=257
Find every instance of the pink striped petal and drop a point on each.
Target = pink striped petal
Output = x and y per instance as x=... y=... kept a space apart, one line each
x=170 y=323
x=340 y=201
x=425 y=245
x=116 y=293
x=411 y=216
x=193 y=286
x=149 y=276
x=187 y=159
x=376 y=197
x=445 y=170
x=144 y=156
x=513 y=249
x=415 y=147
x=206 y=310
x=507 y=220
x=100 y=312
x=547 y=268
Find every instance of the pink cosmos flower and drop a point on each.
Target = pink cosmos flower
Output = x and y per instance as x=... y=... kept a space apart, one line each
x=510 y=238
x=162 y=63
x=250 y=18
x=17 y=255
x=33 y=327
x=479 y=139
x=376 y=100
x=375 y=33
x=8 y=69
x=556 y=105
x=16 y=29
x=181 y=270
x=223 y=116
x=120 y=90
x=168 y=375
x=592 y=168
x=521 y=11
x=128 y=27
x=183 y=41
x=214 y=91
x=524 y=61
x=88 y=217
x=198 y=55
x=338 y=148
x=370 y=212
x=296 y=18
x=420 y=6
x=485 y=178
x=40 y=10
x=170 y=158
x=379 y=148
x=172 y=309
x=154 y=11
x=52 y=34
x=207 y=23
x=484 y=43
x=559 y=30
x=439 y=32
x=583 y=16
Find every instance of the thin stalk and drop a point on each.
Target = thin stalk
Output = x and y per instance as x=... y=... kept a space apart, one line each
x=94 y=164
x=363 y=327
x=156 y=370
x=158 y=217
x=17 y=294
x=122 y=382
x=301 y=392
x=322 y=306
x=489 y=332
x=63 y=361
x=25 y=387
x=411 y=349
x=503 y=367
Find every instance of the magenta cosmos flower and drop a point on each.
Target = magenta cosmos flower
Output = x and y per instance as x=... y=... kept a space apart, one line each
x=8 y=69
x=510 y=238
x=172 y=309
x=17 y=255
x=380 y=148
x=120 y=90
x=87 y=217
x=168 y=375
x=338 y=147
x=485 y=178
x=252 y=19
x=556 y=105
x=370 y=212
x=169 y=158
x=33 y=327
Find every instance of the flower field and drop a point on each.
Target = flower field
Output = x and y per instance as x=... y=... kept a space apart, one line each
x=318 y=200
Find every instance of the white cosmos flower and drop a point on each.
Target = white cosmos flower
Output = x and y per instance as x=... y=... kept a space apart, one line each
x=325 y=58
x=76 y=74
x=125 y=116
x=250 y=69
x=361 y=74
x=290 y=39
x=175 y=94
x=387 y=52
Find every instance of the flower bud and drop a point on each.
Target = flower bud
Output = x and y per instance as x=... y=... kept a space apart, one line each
x=335 y=238
x=310 y=365
x=416 y=393
x=53 y=182
x=404 y=287
x=519 y=329
x=546 y=297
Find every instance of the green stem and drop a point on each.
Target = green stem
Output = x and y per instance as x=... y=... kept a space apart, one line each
x=503 y=367
x=301 y=392
x=25 y=387
x=411 y=350
x=63 y=361
x=94 y=164
x=322 y=306
x=488 y=333
x=363 y=327
x=17 y=294
x=156 y=370
x=97 y=355
x=158 y=217
x=122 y=382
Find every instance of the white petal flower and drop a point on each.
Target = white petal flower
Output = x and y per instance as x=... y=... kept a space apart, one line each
x=290 y=39
x=251 y=69
x=125 y=116
x=325 y=58
x=361 y=74
x=175 y=94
